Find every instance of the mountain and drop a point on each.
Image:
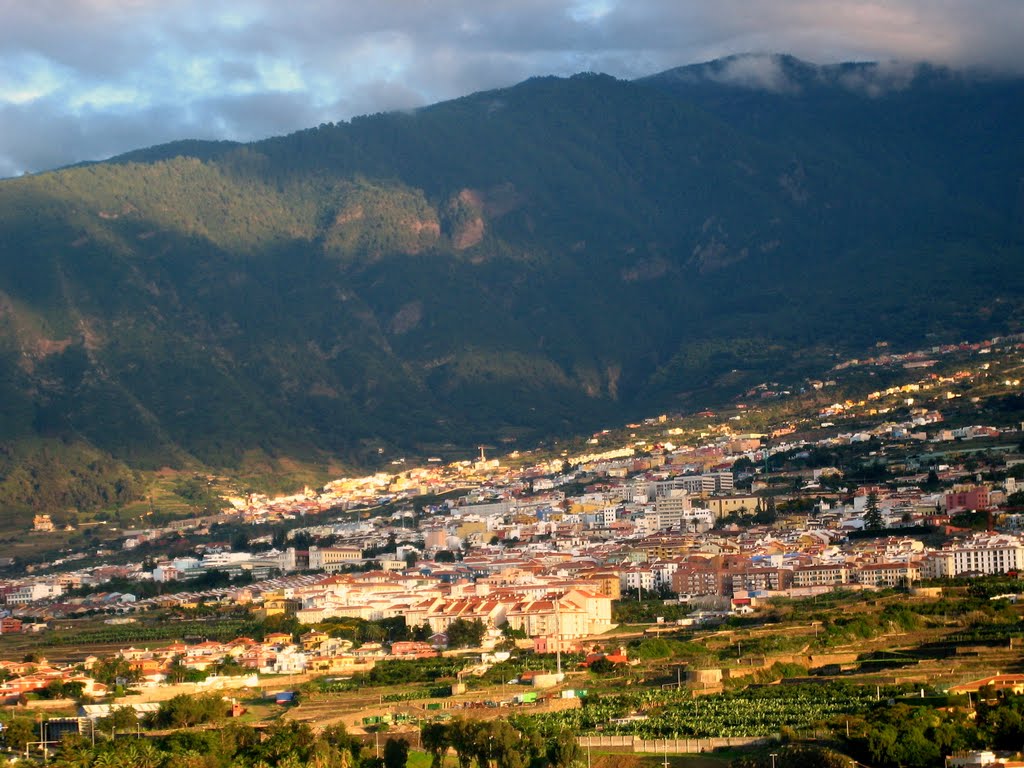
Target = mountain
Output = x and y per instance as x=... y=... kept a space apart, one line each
x=510 y=265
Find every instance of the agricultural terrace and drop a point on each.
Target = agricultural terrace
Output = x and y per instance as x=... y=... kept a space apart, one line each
x=756 y=711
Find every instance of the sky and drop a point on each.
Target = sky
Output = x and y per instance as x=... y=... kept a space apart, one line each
x=88 y=79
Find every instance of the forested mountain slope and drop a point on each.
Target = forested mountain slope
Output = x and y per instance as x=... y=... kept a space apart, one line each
x=511 y=264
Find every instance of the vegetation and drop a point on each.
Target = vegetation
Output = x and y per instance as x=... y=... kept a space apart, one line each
x=68 y=482
x=463 y=633
x=802 y=755
x=286 y=743
x=397 y=672
x=294 y=300
x=158 y=630
x=873 y=520
x=293 y=744
x=518 y=744
x=750 y=712
x=185 y=711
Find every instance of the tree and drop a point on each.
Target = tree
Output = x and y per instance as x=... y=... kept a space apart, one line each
x=74 y=752
x=183 y=710
x=436 y=742
x=58 y=689
x=114 y=669
x=512 y=633
x=178 y=673
x=766 y=511
x=741 y=465
x=18 y=732
x=564 y=750
x=462 y=738
x=806 y=757
x=912 y=737
x=872 y=514
x=284 y=739
x=396 y=753
x=505 y=745
x=350 y=747
x=119 y=719
x=240 y=542
x=466 y=634
x=140 y=754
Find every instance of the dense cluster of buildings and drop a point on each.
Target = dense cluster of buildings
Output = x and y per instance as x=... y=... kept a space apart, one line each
x=656 y=522
x=545 y=547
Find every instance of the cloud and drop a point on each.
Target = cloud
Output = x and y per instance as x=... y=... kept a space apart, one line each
x=885 y=77
x=85 y=79
x=761 y=72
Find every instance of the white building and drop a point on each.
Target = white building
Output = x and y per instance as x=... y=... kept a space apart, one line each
x=981 y=554
x=637 y=579
x=216 y=560
x=333 y=558
x=30 y=593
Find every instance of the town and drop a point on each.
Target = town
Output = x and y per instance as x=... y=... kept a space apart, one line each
x=692 y=520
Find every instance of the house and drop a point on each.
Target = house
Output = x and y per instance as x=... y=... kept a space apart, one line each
x=619 y=657
x=1008 y=683
x=408 y=649
x=278 y=638
x=313 y=639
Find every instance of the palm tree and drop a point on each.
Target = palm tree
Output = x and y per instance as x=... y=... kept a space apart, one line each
x=107 y=759
x=142 y=754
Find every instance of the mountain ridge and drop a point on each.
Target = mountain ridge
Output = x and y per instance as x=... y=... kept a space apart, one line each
x=504 y=266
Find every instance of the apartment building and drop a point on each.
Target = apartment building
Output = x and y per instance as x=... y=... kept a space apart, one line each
x=888 y=574
x=821 y=575
x=333 y=558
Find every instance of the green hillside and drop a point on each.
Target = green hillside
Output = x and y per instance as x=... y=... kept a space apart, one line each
x=509 y=265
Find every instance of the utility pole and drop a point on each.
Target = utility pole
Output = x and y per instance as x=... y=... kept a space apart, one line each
x=42 y=740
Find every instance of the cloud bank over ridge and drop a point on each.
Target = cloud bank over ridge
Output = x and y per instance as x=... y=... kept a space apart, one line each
x=85 y=79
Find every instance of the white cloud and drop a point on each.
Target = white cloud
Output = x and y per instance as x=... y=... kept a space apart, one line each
x=761 y=72
x=84 y=79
